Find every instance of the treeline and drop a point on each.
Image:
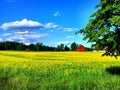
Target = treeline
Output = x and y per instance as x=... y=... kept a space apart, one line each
x=8 y=45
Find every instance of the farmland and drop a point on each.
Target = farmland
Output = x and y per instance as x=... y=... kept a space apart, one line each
x=58 y=71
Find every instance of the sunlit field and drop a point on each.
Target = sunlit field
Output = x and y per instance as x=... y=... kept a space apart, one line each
x=58 y=71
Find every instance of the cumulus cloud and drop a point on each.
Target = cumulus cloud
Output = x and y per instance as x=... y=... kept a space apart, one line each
x=64 y=42
x=70 y=37
x=56 y=14
x=22 y=25
x=70 y=29
x=7 y=34
x=25 y=38
x=35 y=36
x=1 y=39
x=25 y=25
x=50 y=25
x=24 y=30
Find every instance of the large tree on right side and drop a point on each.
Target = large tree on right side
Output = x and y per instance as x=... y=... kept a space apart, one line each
x=103 y=28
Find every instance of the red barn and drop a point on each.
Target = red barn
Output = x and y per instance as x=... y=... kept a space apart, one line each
x=80 y=49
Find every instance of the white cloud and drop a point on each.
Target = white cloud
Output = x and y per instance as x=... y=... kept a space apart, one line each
x=65 y=43
x=7 y=34
x=70 y=37
x=1 y=39
x=21 y=31
x=25 y=38
x=25 y=25
x=56 y=14
x=24 y=32
x=22 y=25
x=70 y=29
x=34 y=36
x=50 y=25
x=9 y=39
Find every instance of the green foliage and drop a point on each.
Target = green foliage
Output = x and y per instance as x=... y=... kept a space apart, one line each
x=9 y=45
x=60 y=47
x=74 y=46
x=66 y=48
x=103 y=28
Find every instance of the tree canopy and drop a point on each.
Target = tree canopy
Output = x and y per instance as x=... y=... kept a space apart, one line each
x=74 y=46
x=103 y=28
x=9 y=45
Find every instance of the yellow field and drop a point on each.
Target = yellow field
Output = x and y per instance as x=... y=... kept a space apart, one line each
x=58 y=71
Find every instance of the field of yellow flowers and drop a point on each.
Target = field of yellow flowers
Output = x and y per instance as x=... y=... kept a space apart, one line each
x=58 y=71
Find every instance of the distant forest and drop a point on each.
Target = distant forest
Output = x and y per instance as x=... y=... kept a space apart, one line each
x=8 y=45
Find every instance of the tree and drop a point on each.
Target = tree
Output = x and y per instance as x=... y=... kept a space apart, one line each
x=32 y=47
x=103 y=28
x=39 y=46
x=60 y=47
x=73 y=46
x=21 y=47
x=66 y=48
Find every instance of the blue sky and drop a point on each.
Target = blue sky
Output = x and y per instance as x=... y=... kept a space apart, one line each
x=51 y=22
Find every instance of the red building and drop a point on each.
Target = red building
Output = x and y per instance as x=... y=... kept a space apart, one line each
x=80 y=49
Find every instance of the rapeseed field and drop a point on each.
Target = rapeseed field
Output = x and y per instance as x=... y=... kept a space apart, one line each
x=58 y=71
